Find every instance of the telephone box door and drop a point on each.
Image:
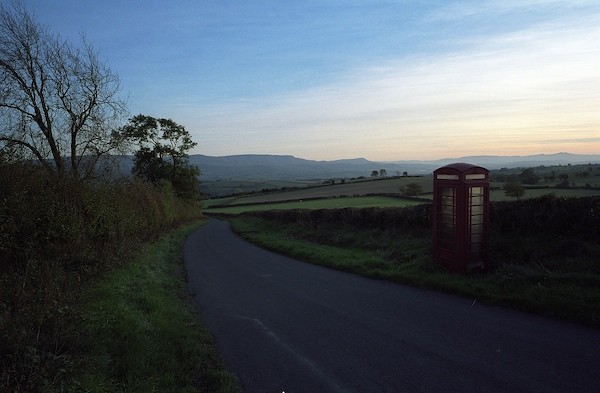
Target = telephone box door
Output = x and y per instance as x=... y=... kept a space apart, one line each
x=460 y=217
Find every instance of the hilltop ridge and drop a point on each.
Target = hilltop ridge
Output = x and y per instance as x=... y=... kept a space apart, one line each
x=288 y=167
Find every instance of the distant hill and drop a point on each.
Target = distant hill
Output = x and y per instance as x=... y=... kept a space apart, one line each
x=496 y=162
x=273 y=167
x=258 y=167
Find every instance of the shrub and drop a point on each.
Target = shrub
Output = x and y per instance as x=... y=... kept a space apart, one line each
x=548 y=215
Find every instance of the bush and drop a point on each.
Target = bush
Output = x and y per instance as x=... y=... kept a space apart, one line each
x=415 y=218
x=549 y=214
x=56 y=234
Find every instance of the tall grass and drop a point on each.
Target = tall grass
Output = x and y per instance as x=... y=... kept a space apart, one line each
x=57 y=234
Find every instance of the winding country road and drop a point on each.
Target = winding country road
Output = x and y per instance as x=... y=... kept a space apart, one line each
x=287 y=326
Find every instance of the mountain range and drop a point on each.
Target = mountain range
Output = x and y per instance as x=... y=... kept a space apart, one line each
x=260 y=167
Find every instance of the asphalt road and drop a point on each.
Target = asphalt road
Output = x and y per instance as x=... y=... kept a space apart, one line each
x=287 y=326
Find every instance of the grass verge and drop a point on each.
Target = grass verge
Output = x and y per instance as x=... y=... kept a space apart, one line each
x=565 y=286
x=140 y=332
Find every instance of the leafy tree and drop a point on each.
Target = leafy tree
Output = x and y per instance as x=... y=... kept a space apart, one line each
x=162 y=154
x=382 y=173
x=503 y=177
x=375 y=173
x=514 y=190
x=58 y=102
x=528 y=176
x=412 y=189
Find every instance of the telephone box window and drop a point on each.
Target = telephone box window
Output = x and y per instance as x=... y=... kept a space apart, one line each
x=447 y=226
x=447 y=177
x=476 y=176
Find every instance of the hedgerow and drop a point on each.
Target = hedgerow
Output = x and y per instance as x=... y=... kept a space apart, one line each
x=57 y=234
x=548 y=214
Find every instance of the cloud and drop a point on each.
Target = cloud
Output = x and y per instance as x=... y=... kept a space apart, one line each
x=508 y=93
x=470 y=9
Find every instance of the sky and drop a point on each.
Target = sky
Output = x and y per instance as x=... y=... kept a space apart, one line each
x=334 y=79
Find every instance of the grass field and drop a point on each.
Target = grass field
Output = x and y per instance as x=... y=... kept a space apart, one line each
x=579 y=177
x=349 y=189
x=377 y=193
x=321 y=203
x=229 y=187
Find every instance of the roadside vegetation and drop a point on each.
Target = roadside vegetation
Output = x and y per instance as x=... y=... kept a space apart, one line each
x=137 y=335
x=58 y=235
x=80 y=309
x=544 y=251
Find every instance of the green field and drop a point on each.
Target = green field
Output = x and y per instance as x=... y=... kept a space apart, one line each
x=368 y=193
x=582 y=179
x=322 y=203
x=349 y=189
x=230 y=187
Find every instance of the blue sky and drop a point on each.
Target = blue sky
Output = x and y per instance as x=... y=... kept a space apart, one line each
x=332 y=79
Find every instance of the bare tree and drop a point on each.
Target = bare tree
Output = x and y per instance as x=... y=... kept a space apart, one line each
x=58 y=102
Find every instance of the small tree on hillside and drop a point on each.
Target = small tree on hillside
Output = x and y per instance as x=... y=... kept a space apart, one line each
x=412 y=189
x=162 y=154
x=514 y=190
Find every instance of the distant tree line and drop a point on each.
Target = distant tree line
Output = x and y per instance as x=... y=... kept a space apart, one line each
x=384 y=173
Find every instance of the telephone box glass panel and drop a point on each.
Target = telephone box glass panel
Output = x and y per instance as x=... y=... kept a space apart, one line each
x=476 y=198
x=447 y=224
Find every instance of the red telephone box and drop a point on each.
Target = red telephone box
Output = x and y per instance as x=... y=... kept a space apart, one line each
x=461 y=217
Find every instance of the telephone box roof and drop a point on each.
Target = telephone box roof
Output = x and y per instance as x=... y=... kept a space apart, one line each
x=462 y=167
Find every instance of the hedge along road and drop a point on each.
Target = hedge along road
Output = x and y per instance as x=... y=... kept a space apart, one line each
x=286 y=326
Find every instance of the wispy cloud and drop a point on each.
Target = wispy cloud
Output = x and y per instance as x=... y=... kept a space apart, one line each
x=508 y=93
x=461 y=10
x=382 y=79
